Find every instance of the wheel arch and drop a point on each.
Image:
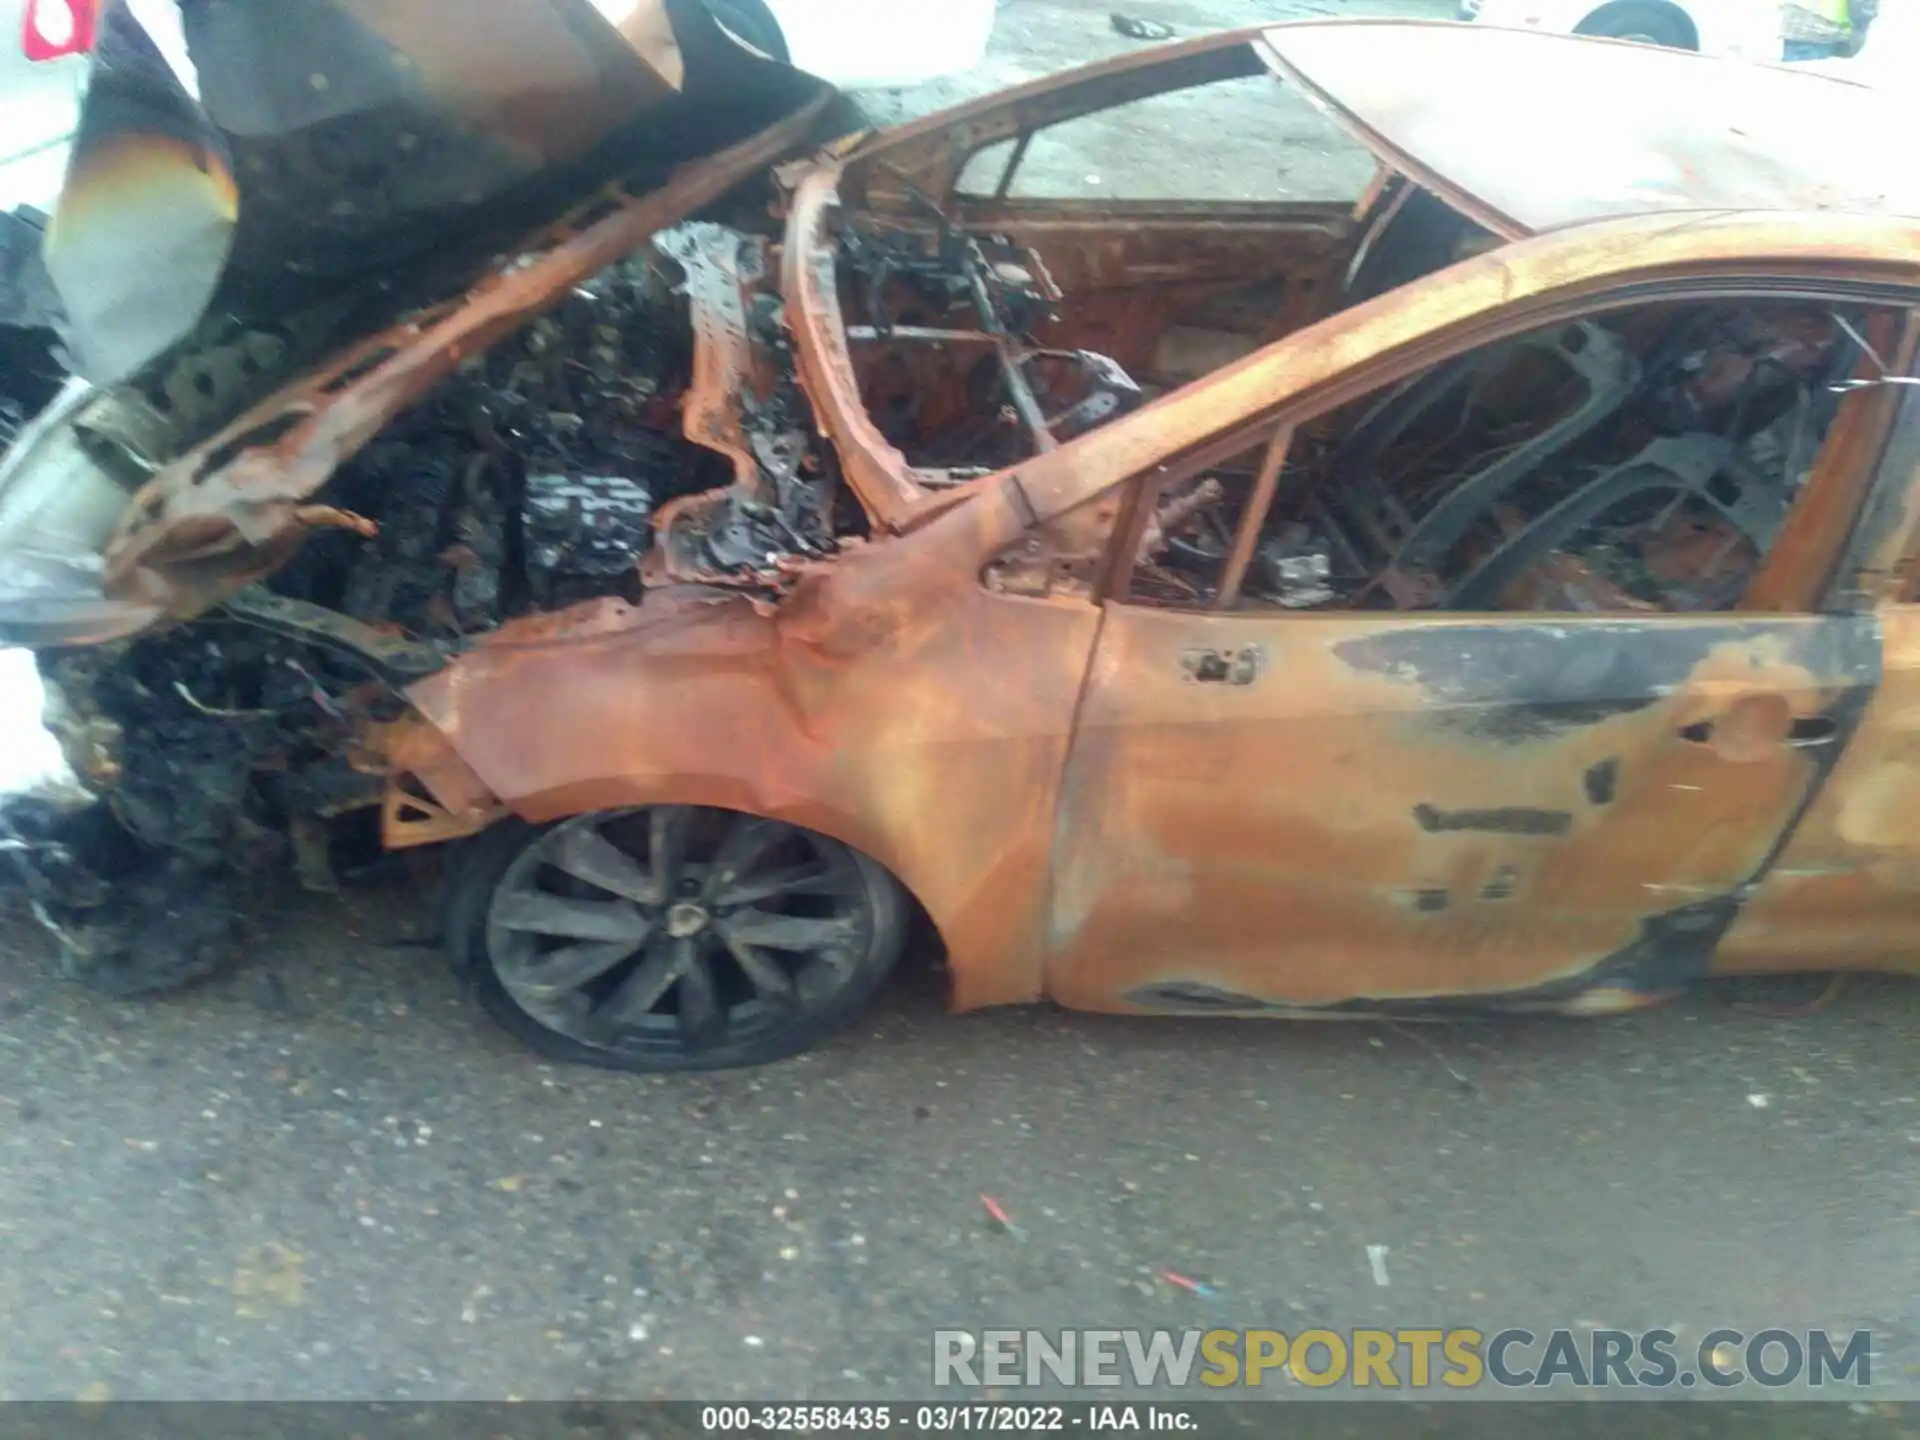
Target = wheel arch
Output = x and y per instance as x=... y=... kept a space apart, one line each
x=853 y=710
x=717 y=792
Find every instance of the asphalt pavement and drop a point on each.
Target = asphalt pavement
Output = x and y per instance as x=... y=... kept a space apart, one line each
x=328 y=1175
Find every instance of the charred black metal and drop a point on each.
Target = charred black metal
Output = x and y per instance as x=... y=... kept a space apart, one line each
x=939 y=286
x=526 y=481
x=779 y=505
x=580 y=532
x=1516 y=683
x=205 y=744
x=30 y=374
x=1504 y=820
x=1605 y=370
x=1501 y=886
x=1194 y=997
x=1601 y=780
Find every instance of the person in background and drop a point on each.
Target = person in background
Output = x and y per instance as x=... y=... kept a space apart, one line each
x=1825 y=29
x=1885 y=54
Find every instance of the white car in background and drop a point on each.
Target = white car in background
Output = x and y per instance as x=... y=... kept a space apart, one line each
x=1887 y=56
x=1745 y=29
x=43 y=70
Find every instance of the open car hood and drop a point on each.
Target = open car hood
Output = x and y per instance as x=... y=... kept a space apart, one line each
x=283 y=225
x=249 y=158
x=1525 y=131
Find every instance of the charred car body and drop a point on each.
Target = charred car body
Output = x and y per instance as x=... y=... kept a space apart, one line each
x=1465 y=587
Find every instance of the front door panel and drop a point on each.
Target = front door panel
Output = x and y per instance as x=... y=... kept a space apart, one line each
x=1270 y=812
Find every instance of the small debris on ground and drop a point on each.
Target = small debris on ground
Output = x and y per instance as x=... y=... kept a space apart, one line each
x=1002 y=1219
x=1136 y=29
x=1185 y=1282
x=1377 y=1258
x=1759 y=1102
x=1438 y=1054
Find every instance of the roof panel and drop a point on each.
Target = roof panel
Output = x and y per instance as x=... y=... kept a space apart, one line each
x=1536 y=130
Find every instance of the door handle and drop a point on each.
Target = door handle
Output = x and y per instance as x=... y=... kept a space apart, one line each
x=1224 y=667
x=1807 y=731
x=1812 y=730
x=1756 y=724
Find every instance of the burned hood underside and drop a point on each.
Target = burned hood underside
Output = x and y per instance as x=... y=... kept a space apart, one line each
x=345 y=288
x=263 y=159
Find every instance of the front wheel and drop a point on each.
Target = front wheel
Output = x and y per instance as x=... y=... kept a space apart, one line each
x=672 y=937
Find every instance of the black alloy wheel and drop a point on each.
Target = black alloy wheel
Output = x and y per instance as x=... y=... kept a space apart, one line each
x=672 y=937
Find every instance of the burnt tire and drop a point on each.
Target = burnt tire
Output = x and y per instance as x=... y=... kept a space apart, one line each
x=1644 y=21
x=671 y=938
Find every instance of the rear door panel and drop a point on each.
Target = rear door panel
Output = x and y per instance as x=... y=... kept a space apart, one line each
x=1268 y=812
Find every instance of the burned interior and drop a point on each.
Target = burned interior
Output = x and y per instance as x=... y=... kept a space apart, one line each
x=997 y=306
x=1631 y=463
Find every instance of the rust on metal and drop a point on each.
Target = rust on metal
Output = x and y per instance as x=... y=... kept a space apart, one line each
x=1186 y=630
x=854 y=708
x=220 y=515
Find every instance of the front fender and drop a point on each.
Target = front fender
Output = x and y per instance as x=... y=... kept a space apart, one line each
x=859 y=708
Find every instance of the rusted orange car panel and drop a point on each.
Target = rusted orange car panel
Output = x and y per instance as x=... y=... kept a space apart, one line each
x=1439 y=100
x=1397 y=808
x=1846 y=888
x=877 y=471
x=857 y=710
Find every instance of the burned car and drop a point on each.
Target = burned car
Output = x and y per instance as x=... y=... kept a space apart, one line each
x=1399 y=575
